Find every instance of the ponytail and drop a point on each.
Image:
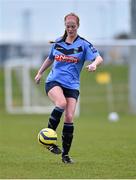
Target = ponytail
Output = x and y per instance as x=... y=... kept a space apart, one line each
x=51 y=42
x=64 y=36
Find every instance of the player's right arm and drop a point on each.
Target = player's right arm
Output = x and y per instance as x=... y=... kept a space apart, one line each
x=47 y=63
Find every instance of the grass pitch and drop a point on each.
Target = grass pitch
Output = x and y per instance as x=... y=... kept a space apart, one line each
x=101 y=149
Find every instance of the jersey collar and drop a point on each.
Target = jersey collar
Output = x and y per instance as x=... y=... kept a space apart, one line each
x=73 y=41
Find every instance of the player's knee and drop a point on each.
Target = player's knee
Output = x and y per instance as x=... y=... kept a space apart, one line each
x=61 y=104
x=68 y=117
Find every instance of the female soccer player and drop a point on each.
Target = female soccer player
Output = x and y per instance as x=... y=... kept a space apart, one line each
x=68 y=54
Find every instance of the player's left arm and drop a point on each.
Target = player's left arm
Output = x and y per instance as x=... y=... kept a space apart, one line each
x=93 y=66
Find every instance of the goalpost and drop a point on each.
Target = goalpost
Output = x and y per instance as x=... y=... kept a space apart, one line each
x=29 y=98
x=22 y=94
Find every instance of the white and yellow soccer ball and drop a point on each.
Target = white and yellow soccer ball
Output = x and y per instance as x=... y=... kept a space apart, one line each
x=47 y=136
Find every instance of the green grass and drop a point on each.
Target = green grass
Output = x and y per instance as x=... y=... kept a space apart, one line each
x=101 y=149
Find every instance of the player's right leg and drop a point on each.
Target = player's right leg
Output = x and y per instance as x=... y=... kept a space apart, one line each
x=55 y=93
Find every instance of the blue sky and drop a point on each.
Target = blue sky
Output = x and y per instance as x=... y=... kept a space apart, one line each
x=99 y=19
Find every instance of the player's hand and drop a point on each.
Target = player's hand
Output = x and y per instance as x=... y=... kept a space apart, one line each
x=91 y=67
x=38 y=78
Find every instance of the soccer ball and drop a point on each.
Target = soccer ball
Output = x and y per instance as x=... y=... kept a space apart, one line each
x=47 y=136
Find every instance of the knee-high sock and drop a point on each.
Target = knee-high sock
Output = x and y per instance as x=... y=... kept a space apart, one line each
x=67 y=136
x=55 y=118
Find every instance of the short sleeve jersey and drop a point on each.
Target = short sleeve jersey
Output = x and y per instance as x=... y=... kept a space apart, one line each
x=69 y=60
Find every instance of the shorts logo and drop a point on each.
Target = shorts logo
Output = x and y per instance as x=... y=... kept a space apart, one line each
x=64 y=58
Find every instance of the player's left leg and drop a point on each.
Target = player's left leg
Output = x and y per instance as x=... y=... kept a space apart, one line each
x=68 y=129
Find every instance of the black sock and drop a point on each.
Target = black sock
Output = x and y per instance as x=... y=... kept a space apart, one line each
x=55 y=118
x=67 y=136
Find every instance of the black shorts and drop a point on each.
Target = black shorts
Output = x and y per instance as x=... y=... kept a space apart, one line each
x=74 y=93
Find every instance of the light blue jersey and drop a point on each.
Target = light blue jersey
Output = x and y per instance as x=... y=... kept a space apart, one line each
x=69 y=60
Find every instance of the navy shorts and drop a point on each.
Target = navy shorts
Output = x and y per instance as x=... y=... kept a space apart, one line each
x=74 y=93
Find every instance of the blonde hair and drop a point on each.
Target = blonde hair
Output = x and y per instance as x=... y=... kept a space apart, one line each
x=65 y=33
